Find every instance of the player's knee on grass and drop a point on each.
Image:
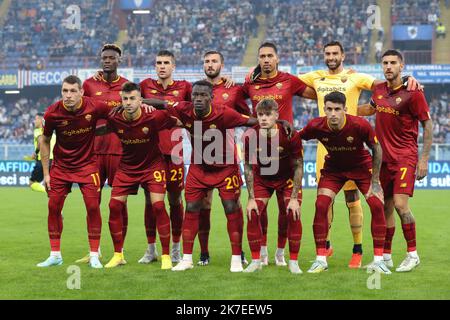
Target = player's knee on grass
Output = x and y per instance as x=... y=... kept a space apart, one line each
x=230 y=206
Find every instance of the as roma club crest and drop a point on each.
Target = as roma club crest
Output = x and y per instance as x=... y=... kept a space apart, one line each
x=225 y=96
x=145 y=130
x=88 y=117
x=350 y=139
x=380 y=97
x=398 y=100
x=64 y=123
x=176 y=93
x=344 y=79
x=153 y=91
x=120 y=131
x=257 y=87
x=99 y=93
x=279 y=85
x=213 y=126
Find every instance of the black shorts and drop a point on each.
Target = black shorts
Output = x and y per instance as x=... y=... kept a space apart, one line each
x=37 y=175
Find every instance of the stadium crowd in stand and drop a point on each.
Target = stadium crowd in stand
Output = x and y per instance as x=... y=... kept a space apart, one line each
x=303 y=31
x=188 y=28
x=37 y=29
x=415 y=12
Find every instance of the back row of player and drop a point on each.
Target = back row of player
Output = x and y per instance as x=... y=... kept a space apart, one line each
x=270 y=84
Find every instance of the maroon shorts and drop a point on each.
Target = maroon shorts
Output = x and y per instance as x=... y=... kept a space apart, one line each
x=175 y=175
x=61 y=181
x=398 y=178
x=335 y=180
x=199 y=182
x=264 y=188
x=153 y=180
x=107 y=167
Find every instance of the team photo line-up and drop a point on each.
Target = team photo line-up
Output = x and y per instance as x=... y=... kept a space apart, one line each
x=109 y=129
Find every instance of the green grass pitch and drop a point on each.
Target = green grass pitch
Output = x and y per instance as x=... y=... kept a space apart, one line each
x=24 y=242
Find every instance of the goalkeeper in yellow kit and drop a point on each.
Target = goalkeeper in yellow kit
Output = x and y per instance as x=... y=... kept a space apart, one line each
x=350 y=83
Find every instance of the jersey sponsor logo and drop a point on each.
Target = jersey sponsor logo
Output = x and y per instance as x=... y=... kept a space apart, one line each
x=268 y=96
x=120 y=131
x=134 y=141
x=176 y=93
x=279 y=85
x=225 y=96
x=403 y=185
x=114 y=104
x=339 y=149
x=76 y=132
x=398 y=100
x=331 y=89
x=344 y=79
x=350 y=139
x=387 y=110
x=88 y=117
x=171 y=103
x=98 y=93
x=145 y=130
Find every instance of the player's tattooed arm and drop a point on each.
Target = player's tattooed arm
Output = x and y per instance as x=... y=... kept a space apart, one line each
x=422 y=168
x=251 y=205
x=294 y=204
x=375 y=186
x=45 y=156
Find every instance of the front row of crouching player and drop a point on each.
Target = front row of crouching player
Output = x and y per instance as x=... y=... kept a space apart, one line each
x=273 y=158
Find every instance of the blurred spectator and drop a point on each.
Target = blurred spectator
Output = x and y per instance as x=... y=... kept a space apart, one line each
x=415 y=12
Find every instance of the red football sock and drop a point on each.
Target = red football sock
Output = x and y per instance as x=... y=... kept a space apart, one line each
x=176 y=217
x=116 y=209
x=94 y=222
x=163 y=225
x=378 y=225
x=320 y=226
x=150 y=223
x=55 y=221
x=282 y=223
x=409 y=232
x=264 y=222
x=234 y=225
x=388 y=241
x=294 y=232
x=203 y=230
x=124 y=223
x=190 y=230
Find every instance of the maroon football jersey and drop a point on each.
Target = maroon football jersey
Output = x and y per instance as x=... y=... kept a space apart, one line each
x=140 y=139
x=397 y=121
x=110 y=93
x=282 y=88
x=75 y=133
x=232 y=97
x=345 y=147
x=210 y=131
x=177 y=91
x=278 y=152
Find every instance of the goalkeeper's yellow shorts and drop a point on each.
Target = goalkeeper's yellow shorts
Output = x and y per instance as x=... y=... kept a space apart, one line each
x=320 y=161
